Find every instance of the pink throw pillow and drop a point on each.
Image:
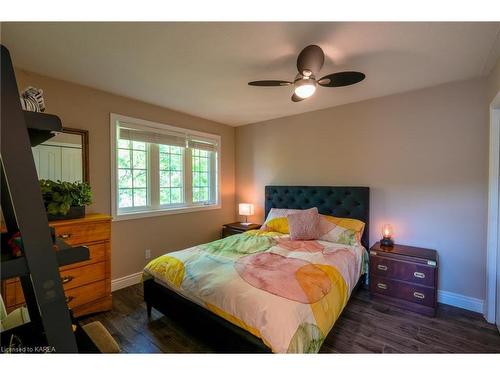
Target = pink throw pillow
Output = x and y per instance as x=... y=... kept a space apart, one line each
x=304 y=225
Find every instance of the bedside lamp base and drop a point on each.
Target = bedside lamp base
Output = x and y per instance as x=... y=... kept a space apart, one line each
x=387 y=242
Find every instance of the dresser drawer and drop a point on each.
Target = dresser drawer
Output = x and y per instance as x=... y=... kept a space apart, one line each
x=75 y=277
x=399 y=289
x=13 y=293
x=10 y=294
x=402 y=270
x=80 y=233
x=97 y=253
x=72 y=278
x=85 y=294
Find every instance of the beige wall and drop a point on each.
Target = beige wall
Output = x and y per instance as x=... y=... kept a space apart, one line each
x=85 y=108
x=493 y=82
x=422 y=153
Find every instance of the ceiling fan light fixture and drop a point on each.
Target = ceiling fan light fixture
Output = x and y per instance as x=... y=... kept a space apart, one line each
x=309 y=63
x=305 y=87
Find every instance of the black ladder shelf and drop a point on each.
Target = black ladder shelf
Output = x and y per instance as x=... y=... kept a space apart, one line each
x=24 y=211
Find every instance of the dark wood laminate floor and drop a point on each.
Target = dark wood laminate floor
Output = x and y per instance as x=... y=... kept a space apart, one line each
x=365 y=326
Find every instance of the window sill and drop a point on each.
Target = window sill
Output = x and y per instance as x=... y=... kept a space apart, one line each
x=163 y=212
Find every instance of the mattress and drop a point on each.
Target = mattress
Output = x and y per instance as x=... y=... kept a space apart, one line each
x=287 y=293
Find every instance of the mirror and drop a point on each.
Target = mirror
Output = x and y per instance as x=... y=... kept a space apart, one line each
x=63 y=157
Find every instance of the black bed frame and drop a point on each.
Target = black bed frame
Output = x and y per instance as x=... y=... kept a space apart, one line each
x=340 y=201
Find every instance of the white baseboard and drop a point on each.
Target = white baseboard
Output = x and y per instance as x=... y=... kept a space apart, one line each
x=125 y=281
x=448 y=298
x=459 y=300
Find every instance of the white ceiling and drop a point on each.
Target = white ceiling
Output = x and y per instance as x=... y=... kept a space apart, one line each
x=203 y=68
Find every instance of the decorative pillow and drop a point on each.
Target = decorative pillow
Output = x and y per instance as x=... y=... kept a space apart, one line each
x=278 y=224
x=304 y=225
x=341 y=230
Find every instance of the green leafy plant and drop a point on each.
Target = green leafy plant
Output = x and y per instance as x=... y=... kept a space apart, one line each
x=59 y=196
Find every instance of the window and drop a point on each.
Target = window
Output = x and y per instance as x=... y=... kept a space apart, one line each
x=160 y=169
x=171 y=175
x=132 y=174
x=201 y=175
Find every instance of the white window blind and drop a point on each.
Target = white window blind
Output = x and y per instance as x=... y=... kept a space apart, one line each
x=140 y=134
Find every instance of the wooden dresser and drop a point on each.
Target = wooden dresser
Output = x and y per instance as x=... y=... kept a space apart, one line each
x=405 y=276
x=87 y=284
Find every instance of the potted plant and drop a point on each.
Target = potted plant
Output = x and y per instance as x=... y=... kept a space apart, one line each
x=65 y=200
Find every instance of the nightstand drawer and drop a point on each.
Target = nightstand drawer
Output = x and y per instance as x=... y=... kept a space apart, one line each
x=399 y=289
x=226 y=232
x=401 y=270
x=237 y=228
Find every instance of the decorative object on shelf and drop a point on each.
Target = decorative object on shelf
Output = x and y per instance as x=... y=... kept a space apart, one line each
x=32 y=99
x=246 y=209
x=15 y=243
x=65 y=200
x=387 y=234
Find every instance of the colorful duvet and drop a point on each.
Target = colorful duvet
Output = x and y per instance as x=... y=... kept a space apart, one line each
x=288 y=293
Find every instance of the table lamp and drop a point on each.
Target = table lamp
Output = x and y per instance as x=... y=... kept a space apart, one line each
x=387 y=234
x=245 y=209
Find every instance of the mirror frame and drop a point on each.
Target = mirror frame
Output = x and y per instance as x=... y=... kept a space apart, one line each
x=85 y=149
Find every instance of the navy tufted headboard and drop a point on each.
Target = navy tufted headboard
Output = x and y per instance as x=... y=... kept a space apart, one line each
x=339 y=201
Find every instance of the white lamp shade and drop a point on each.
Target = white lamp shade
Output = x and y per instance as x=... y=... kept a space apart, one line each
x=246 y=209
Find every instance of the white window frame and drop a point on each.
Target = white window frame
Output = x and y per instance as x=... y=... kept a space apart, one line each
x=128 y=214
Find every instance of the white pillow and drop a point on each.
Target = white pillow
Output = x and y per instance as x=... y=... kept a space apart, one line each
x=279 y=212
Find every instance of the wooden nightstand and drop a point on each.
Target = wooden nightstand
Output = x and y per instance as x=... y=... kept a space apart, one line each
x=405 y=276
x=237 y=228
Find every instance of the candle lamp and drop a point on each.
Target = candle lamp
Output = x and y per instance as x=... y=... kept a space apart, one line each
x=387 y=234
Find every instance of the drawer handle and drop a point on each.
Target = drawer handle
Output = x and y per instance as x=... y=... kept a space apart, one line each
x=382 y=286
x=420 y=275
x=382 y=267
x=69 y=299
x=66 y=279
x=64 y=236
x=418 y=295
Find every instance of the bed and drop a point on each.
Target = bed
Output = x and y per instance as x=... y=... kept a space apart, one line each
x=260 y=291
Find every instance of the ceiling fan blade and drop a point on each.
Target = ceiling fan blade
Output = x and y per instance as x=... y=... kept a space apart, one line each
x=296 y=98
x=341 y=79
x=311 y=59
x=269 y=83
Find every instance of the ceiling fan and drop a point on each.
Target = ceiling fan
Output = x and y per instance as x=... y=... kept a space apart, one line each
x=309 y=63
